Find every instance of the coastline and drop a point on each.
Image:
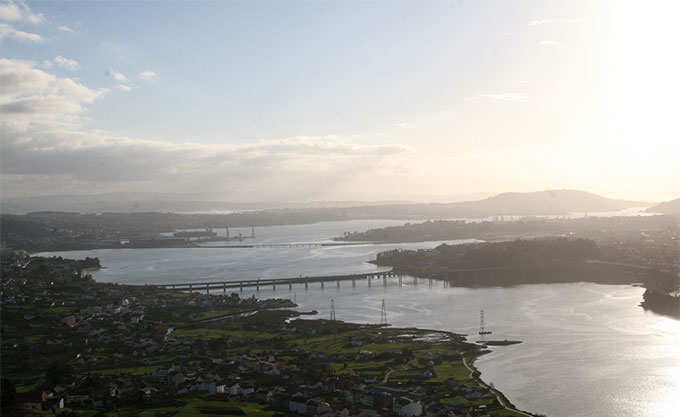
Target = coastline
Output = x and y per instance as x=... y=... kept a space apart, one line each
x=475 y=374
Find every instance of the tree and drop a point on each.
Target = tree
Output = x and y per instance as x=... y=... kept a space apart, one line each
x=8 y=393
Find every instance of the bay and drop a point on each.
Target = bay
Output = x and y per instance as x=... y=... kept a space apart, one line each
x=588 y=349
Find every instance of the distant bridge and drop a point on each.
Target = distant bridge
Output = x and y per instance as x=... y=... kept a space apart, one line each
x=322 y=280
x=286 y=245
x=452 y=277
x=273 y=282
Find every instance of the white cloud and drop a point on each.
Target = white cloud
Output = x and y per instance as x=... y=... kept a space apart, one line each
x=406 y=126
x=32 y=96
x=117 y=75
x=124 y=87
x=147 y=75
x=548 y=43
x=8 y=31
x=69 y=64
x=46 y=147
x=65 y=29
x=18 y=11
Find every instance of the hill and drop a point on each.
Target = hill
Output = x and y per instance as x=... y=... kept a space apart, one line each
x=667 y=207
x=518 y=204
x=547 y=202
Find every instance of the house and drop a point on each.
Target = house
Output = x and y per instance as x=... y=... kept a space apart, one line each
x=246 y=391
x=394 y=392
x=205 y=386
x=70 y=321
x=406 y=407
x=298 y=405
x=315 y=407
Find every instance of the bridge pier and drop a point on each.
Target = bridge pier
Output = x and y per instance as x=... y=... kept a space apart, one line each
x=400 y=280
x=190 y=287
x=338 y=284
x=306 y=283
x=207 y=288
x=322 y=283
x=273 y=286
x=354 y=283
x=385 y=280
x=290 y=285
x=415 y=281
x=369 y=280
x=240 y=286
x=224 y=288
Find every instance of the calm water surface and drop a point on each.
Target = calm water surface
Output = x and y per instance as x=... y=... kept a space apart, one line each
x=588 y=349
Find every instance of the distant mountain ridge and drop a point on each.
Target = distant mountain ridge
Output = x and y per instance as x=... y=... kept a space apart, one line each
x=549 y=202
x=154 y=202
x=666 y=207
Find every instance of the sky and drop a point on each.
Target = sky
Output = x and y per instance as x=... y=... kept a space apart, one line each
x=339 y=100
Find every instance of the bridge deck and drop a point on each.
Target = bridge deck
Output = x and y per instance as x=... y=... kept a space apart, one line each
x=274 y=281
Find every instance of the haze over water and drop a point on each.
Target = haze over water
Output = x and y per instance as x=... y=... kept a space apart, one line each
x=589 y=349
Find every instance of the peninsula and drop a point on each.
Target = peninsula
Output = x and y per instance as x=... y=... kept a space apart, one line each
x=76 y=347
x=554 y=260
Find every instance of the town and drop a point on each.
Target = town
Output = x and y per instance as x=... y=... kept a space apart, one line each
x=75 y=347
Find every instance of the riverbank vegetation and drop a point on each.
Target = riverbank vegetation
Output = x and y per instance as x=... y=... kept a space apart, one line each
x=543 y=261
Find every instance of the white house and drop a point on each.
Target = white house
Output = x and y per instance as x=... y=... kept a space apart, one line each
x=406 y=407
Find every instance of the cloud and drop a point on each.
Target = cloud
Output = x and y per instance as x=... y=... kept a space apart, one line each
x=499 y=98
x=542 y=22
x=548 y=43
x=18 y=11
x=406 y=126
x=32 y=96
x=147 y=75
x=65 y=29
x=117 y=75
x=46 y=148
x=7 y=31
x=285 y=166
x=124 y=87
x=69 y=64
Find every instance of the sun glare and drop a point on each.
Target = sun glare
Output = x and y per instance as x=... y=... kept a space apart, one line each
x=643 y=73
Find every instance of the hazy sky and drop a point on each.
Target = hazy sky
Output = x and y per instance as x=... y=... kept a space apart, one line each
x=314 y=100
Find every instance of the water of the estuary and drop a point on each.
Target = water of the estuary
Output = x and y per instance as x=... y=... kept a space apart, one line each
x=588 y=349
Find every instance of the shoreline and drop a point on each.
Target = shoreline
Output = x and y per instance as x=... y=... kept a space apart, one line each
x=475 y=374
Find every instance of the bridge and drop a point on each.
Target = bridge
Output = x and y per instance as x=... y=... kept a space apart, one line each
x=274 y=282
x=472 y=273
x=284 y=245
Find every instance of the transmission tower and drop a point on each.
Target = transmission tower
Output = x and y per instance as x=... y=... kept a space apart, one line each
x=332 y=310
x=383 y=314
x=482 y=329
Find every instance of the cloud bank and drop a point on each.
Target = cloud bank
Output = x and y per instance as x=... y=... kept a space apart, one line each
x=45 y=149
